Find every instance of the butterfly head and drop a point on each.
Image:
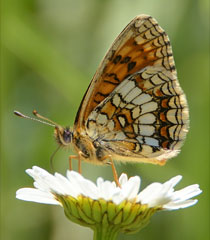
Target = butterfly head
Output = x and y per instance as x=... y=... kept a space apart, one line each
x=63 y=135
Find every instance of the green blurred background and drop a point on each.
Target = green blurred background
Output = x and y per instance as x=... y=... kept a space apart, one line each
x=50 y=51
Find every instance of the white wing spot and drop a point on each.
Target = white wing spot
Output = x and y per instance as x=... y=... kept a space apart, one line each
x=136 y=112
x=102 y=119
x=156 y=80
x=126 y=88
x=171 y=115
x=151 y=141
x=138 y=23
x=166 y=88
x=146 y=149
x=146 y=130
x=122 y=104
x=143 y=98
x=92 y=115
x=116 y=100
x=147 y=118
x=132 y=94
x=139 y=40
x=142 y=28
x=129 y=106
x=149 y=107
x=110 y=125
x=122 y=121
x=136 y=129
x=120 y=136
x=140 y=139
x=137 y=147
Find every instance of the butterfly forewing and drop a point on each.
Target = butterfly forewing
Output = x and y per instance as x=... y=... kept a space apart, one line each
x=142 y=43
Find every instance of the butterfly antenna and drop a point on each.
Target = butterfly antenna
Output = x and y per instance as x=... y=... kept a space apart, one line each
x=50 y=123
x=52 y=157
x=43 y=118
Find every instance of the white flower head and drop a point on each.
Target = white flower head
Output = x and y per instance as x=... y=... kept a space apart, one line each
x=89 y=203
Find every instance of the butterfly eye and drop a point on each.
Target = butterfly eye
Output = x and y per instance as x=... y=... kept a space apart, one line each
x=67 y=135
x=63 y=135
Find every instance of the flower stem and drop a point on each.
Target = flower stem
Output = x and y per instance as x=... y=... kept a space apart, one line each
x=105 y=233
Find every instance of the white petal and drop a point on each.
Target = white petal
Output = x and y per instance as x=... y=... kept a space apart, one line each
x=106 y=190
x=131 y=187
x=186 y=193
x=75 y=180
x=118 y=197
x=99 y=181
x=39 y=174
x=157 y=194
x=150 y=193
x=123 y=179
x=173 y=181
x=89 y=189
x=184 y=204
x=35 y=195
x=45 y=181
x=67 y=187
x=72 y=175
x=82 y=186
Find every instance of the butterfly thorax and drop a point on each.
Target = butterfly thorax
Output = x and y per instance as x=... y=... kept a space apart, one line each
x=88 y=149
x=63 y=135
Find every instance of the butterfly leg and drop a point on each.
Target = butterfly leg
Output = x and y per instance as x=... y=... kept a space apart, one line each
x=70 y=161
x=115 y=173
x=79 y=162
x=113 y=169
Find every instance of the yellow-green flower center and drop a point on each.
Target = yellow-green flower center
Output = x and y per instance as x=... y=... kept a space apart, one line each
x=101 y=215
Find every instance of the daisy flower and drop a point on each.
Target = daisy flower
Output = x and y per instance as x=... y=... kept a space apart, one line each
x=105 y=207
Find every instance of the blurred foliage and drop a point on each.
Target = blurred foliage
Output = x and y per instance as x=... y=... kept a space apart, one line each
x=50 y=51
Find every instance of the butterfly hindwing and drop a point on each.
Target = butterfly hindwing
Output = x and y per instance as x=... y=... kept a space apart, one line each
x=146 y=115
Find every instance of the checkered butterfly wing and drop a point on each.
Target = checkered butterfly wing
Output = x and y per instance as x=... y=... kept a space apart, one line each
x=134 y=103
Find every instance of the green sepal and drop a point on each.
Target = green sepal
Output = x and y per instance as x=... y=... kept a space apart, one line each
x=96 y=211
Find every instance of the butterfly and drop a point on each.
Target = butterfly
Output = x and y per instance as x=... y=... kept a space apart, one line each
x=134 y=109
